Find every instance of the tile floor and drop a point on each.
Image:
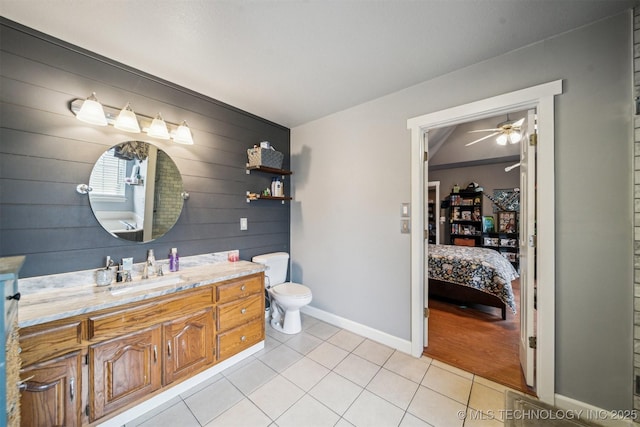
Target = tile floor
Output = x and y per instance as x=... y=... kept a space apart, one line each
x=327 y=376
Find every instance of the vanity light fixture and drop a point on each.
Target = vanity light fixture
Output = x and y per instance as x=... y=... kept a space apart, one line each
x=158 y=128
x=182 y=135
x=127 y=120
x=93 y=112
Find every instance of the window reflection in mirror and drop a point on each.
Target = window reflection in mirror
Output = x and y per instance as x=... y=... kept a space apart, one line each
x=137 y=191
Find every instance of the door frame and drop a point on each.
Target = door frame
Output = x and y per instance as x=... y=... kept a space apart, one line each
x=540 y=97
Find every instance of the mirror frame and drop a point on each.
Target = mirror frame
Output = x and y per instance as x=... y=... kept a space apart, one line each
x=149 y=207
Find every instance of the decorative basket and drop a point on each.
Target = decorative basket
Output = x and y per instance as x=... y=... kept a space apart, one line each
x=265 y=157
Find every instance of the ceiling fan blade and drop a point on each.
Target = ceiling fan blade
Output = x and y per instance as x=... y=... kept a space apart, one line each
x=482 y=139
x=509 y=168
x=518 y=123
x=485 y=130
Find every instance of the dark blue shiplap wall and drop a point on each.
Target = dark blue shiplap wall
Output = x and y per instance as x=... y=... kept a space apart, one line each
x=45 y=153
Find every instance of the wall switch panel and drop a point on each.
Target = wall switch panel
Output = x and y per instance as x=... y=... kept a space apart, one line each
x=243 y=224
x=405 y=226
x=405 y=211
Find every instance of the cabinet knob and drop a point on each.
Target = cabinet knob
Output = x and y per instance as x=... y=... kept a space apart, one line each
x=243 y=338
x=243 y=311
x=242 y=288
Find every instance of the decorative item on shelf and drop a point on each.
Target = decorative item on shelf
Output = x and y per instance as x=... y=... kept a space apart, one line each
x=488 y=224
x=474 y=186
x=507 y=222
x=456 y=188
x=269 y=157
x=91 y=111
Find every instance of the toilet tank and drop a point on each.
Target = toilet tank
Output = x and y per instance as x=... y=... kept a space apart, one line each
x=277 y=264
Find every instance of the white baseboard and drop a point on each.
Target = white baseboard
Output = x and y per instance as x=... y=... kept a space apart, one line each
x=360 y=329
x=593 y=413
x=152 y=403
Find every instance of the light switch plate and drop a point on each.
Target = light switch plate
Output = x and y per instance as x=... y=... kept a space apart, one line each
x=405 y=211
x=243 y=224
x=405 y=226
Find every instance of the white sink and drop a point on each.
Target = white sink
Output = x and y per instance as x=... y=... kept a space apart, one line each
x=144 y=284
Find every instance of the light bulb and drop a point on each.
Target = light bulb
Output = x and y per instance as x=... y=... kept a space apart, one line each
x=502 y=139
x=127 y=120
x=182 y=135
x=158 y=128
x=92 y=112
x=515 y=137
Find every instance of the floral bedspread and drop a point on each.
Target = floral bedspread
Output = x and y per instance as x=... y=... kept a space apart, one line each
x=479 y=268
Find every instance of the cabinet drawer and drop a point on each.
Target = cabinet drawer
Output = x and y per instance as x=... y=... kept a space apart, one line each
x=239 y=288
x=240 y=338
x=43 y=342
x=236 y=313
x=131 y=319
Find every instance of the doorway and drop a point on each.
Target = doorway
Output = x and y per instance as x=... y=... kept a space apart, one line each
x=472 y=336
x=542 y=98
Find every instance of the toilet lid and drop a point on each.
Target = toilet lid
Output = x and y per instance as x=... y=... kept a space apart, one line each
x=291 y=290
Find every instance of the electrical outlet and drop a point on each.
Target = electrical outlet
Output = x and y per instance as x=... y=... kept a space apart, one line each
x=243 y=224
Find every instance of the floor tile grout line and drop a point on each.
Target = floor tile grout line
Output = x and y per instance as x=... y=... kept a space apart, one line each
x=348 y=352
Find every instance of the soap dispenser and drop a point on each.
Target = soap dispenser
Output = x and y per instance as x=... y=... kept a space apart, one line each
x=174 y=260
x=151 y=262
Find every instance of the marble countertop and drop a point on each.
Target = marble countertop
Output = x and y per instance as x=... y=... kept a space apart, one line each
x=55 y=297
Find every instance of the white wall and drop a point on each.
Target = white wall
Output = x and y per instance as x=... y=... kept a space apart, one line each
x=352 y=174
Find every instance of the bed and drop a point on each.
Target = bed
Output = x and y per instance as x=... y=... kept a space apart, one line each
x=471 y=275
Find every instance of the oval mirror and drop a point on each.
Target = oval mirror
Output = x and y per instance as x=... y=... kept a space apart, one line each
x=136 y=191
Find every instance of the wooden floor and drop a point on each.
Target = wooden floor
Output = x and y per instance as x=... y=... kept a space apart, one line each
x=477 y=340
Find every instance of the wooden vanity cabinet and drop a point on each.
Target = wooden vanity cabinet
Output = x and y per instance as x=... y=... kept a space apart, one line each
x=50 y=393
x=131 y=352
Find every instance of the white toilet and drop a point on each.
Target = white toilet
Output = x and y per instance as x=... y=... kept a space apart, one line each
x=286 y=297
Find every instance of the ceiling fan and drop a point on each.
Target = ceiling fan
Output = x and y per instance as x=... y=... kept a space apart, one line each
x=507 y=131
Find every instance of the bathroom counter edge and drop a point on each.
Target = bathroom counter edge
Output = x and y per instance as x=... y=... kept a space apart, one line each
x=58 y=303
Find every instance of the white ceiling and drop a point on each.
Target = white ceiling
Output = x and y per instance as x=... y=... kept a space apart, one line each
x=295 y=61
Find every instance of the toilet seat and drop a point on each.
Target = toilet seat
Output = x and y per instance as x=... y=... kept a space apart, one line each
x=291 y=290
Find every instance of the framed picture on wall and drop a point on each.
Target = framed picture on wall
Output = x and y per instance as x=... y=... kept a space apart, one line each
x=507 y=222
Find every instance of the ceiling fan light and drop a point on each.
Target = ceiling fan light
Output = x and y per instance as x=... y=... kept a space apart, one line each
x=158 y=128
x=515 y=137
x=501 y=139
x=92 y=112
x=182 y=135
x=127 y=120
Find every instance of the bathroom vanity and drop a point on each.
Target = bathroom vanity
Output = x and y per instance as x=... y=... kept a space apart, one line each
x=90 y=353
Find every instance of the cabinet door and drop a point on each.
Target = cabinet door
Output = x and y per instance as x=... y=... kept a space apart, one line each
x=50 y=393
x=189 y=345
x=123 y=370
